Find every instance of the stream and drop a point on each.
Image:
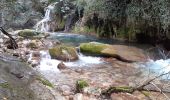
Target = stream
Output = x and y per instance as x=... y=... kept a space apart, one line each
x=49 y=66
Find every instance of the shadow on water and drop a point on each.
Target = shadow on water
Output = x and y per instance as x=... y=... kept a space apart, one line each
x=76 y=39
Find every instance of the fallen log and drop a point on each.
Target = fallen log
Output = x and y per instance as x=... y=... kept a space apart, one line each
x=141 y=88
x=13 y=44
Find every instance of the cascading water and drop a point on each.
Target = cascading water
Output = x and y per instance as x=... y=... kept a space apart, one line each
x=159 y=66
x=44 y=24
x=48 y=65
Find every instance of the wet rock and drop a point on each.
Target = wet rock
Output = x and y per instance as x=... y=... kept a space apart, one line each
x=36 y=54
x=121 y=52
x=35 y=63
x=65 y=53
x=61 y=66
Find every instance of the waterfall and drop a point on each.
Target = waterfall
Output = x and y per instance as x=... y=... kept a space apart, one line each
x=44 y=24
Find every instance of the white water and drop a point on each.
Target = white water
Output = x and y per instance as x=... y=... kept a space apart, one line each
x=159 y=66
x=48 y=65
x=44 y=24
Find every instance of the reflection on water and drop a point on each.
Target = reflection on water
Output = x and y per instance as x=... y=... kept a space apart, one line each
x=76 y=39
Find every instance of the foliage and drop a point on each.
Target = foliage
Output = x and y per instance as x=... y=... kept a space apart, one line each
x=4 y=85
x=45 y=82
x=80 y=85
x=141 y=15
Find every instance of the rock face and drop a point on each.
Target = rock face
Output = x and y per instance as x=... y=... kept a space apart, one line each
x=18 y=81
x=19 y=14
x=121 y=52
x=64 y=53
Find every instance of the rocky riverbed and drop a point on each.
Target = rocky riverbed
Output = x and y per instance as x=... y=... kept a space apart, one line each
x=29 y=73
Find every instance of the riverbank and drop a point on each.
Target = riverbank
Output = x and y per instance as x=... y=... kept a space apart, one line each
x=98 y=72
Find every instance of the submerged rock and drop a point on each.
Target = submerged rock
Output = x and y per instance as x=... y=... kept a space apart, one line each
x=65 y=53
x=121 y=52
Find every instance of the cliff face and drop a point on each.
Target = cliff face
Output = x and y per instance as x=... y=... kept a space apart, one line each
x=18 y=14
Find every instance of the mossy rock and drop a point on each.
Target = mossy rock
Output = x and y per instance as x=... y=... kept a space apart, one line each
x=64 y=53
x=95 y=48
x=121 y=52
x=80 y=85
x=28 y=33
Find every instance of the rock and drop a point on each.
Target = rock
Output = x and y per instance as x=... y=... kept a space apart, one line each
x=66 y=90
x=123 y=96
x=28 y=33
x=65 y=53
x=121 y=52
x=15 y=80
x=28 y=13
x=32 y=45
x=78 y=96
x=61 y=66
x=34 y=63
x=16 y=54
x=36 y=54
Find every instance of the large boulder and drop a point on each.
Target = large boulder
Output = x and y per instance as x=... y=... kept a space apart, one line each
x=121 y=52
x=18 y=81
x=65 y=53
x=20 y=14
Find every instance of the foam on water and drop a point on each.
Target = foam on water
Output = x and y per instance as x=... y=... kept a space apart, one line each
x=159 y=66
x=50 y=65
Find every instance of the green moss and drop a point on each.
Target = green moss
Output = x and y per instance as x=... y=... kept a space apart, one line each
x=123 y=89
x=146 y=93
x=5 y=85
x=45 y=82
x=83 y=30
x=92 y=47
x=128 y=33
x=28 y=33
x=62 y=50
x=61 y=24
x=80 y=85
x=54 y=51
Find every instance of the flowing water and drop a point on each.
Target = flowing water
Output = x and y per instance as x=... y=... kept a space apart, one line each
x=159 y=65
x=48 y=64
x=44 y=24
